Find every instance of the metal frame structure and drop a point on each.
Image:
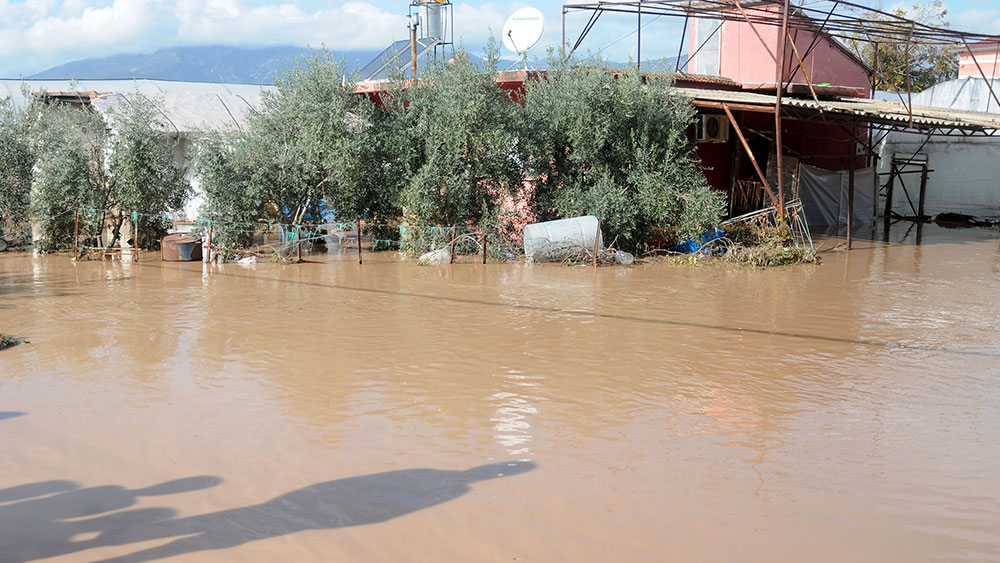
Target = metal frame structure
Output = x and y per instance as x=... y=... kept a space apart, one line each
x=844 y=22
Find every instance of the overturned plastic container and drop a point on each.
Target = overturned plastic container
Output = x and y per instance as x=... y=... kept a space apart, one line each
x=575 y=231
x=180 y=247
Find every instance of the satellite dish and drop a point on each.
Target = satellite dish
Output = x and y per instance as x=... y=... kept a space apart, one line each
x=523 y=29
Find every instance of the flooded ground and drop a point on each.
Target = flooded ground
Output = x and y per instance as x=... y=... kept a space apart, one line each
x=392 y=412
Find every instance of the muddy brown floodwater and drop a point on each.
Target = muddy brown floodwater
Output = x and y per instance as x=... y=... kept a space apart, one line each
x=394 y=412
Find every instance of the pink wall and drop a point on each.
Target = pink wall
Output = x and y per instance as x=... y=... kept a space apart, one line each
x=747 y=56
x=987 y=59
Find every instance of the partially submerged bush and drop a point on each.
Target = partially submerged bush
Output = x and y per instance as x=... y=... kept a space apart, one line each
x=614 y=145
x=759 y=243
x=467 y=130
x=311 y=141
x=767 y=255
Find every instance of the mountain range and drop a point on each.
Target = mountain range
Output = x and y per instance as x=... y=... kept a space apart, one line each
x=213 y=63
x=227 y=64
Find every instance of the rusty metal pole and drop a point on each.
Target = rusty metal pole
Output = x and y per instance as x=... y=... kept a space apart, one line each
x=209 y=251
x=562 y=49
x=779 y=86
x=484 y=247
x=746 y=147
x=875 y=71
x=413 y=49
x=298 y=244
x=451 y=248
x=923 y=191
x=909 y=83
x=76 y=232
x=597 y=241
x=850 y=192
x=989 y=83
x=638 y=41
x=680 y=47
x=357 y=230
x=993 y=74
x=887 y=211
x=135 y=235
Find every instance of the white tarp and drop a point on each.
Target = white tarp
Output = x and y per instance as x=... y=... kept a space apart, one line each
x=824 y=195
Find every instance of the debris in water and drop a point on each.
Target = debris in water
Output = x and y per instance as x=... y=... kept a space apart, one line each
x=624 y=258
x=6 y=341
x=436 y=257
x=563 y=240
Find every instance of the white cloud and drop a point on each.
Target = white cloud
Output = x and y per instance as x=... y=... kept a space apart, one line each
x=351 y=25
x=37 y=34
x=985 y=20
x=40 y=33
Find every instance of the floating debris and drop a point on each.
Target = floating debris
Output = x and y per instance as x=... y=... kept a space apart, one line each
x=7 y=341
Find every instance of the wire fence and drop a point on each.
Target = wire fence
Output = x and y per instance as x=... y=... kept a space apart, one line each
x=287 y=242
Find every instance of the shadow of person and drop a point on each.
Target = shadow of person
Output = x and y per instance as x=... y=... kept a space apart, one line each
x=353 y=501
x=41 y=519
x=10 y=414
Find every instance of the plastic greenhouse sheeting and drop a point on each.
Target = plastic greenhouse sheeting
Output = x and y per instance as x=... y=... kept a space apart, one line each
x=824 y=195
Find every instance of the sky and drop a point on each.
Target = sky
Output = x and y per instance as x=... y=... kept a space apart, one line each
x=38 y=34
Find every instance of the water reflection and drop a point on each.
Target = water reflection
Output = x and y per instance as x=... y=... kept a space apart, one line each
x=512 y=419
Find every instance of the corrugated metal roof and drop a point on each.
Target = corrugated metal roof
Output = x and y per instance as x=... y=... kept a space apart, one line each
x=865 y=110
x=150 y=88
x=189 y=112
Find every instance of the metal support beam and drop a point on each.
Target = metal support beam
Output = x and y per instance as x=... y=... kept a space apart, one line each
x=804 y=72
x=779 y=84
x=753 y=160
x=887 y=212
x=638 y=40
x=680 y=47
x=923 y=190
x=850 y=192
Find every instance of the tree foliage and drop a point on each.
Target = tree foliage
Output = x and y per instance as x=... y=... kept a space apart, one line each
x=310 y=141
x=16 y=162
x=467 y=130
x=113 y=167
x=927 y=64
x=615 y=145
x=455 y=149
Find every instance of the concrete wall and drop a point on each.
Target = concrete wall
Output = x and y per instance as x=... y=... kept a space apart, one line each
x=965 y=177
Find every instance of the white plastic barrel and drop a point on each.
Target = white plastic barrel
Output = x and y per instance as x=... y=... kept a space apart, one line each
x=580 y=230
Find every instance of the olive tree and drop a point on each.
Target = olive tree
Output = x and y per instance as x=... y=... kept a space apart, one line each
x=112 y=166
x=615 y=145
x=312 y=140
x=467 y=130
x=15 y=172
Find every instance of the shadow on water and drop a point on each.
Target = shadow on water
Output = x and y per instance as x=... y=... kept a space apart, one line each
x=39 y=527
x=11 y=414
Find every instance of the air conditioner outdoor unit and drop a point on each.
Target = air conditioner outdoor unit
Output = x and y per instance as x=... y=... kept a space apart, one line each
x=712 y=129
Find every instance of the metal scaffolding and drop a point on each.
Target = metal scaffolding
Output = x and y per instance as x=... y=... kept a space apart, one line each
x=844 y=22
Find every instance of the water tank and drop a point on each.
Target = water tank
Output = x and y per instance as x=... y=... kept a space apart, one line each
x=434 y=20
x=577 y=230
